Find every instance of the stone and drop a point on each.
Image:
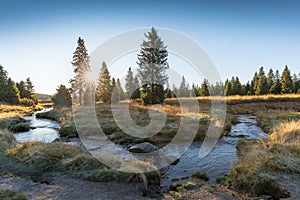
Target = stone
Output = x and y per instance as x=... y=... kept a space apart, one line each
x=144 y=147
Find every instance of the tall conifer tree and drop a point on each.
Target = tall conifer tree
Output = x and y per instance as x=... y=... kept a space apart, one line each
x=153 y=63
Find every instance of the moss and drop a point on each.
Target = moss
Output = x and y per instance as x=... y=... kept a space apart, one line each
x=200 y=175
x=174 y=195
x=11 y=195
x=68 y=130
x=6 y=123
x=221 y=179
x=123 y=138
x=82 y=162
x=49 y=115
x=22 y=127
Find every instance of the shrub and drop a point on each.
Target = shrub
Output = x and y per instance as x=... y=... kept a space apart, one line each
x=27 y=102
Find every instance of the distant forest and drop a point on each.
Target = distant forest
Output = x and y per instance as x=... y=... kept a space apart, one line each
x=16 y=93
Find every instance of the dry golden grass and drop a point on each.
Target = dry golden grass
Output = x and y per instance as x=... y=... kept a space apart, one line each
x=4 y=115
x=10 y=108
x=11 y=111
x=240 y=99
x=286 y=133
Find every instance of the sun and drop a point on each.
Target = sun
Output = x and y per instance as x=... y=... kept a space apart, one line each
x=90 y=76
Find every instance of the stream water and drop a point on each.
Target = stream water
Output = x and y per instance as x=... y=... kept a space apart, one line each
x=217 y=163
x=41 y=130
x=220 y=160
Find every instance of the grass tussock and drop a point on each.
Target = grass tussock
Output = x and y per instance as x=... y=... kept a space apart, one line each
x=38 y=158
x=287 y=133
x=7 y=140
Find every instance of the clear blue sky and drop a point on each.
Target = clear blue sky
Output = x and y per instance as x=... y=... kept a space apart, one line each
x=38 y=37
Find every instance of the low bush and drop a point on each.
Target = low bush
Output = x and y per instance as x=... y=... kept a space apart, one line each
x=27 y=102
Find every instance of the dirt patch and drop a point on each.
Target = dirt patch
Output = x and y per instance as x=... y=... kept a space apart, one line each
x=65 y=188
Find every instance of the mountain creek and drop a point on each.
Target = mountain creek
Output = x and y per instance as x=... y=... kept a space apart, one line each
x=216 y=164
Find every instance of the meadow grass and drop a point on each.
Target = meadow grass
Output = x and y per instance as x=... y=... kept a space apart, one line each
x=39 y=158
x=4 y=108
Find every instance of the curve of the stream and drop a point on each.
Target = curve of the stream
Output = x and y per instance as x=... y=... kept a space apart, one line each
x=42 y=130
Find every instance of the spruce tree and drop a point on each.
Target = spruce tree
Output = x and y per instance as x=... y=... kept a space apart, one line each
x=276 y=86
x=129 y=84
x=137 y=92
x=204 y=88
x=62 y=98
x=30 y=90
x=286 y=81
x=270 y=78
x=3 y=84
x=228 y=90
x=153 y=63
x=168 y=92
x=183 y=90
x=237 y=86
x=298 y=85
x=247 y=90
x=295 y=84
x=120 y=90
x=81 y=67
x=261 y=86
x=22 y=89
x=115 y=97
x=12 y=95
x=104 y=87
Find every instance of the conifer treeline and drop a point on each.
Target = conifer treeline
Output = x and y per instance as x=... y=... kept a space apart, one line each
x=16 y=93
x=261 y=84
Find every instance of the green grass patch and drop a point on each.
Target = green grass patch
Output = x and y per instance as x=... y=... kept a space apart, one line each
x=11 y=195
